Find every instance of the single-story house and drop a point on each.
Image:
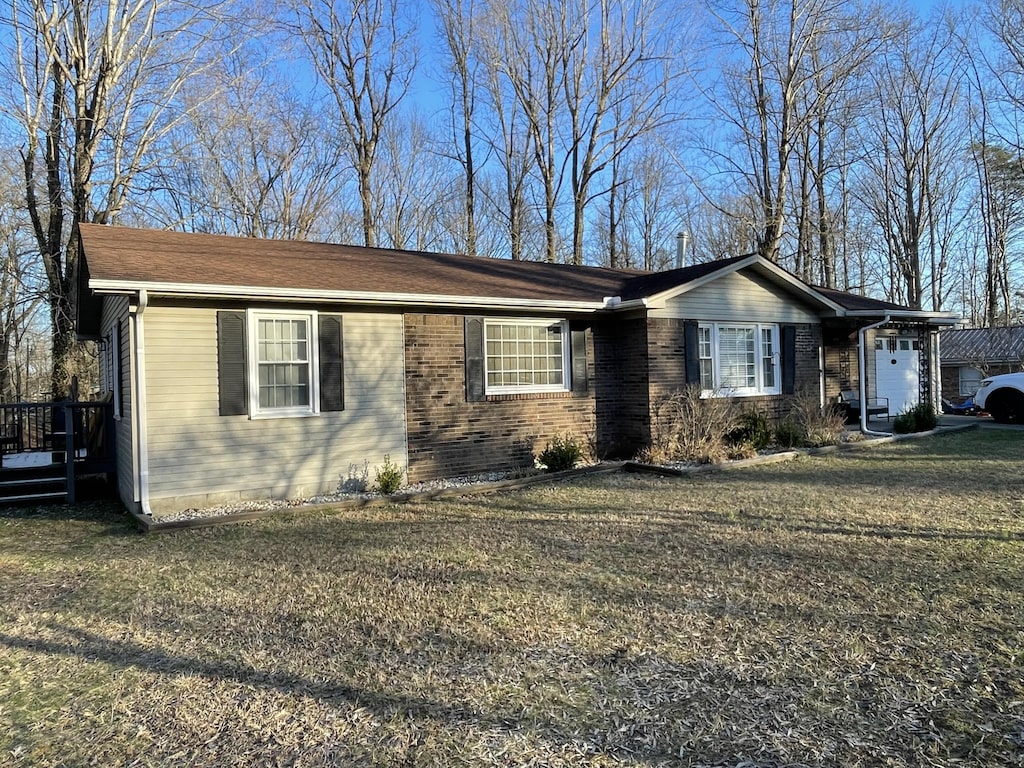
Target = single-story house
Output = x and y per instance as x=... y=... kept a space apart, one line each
x=968 y=355
x=243 y=368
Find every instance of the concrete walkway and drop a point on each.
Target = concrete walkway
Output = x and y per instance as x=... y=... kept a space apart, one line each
x=983 y=422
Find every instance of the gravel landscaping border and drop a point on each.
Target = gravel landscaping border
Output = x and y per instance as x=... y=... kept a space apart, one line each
x=205 y=518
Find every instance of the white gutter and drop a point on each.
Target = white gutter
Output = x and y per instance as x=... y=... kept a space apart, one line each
x=139 y=406
x=196 y=290
x=864 y=379
x=616 y=303
x=934 y=318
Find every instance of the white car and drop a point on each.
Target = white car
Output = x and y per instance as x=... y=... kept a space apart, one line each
x=1003 y=397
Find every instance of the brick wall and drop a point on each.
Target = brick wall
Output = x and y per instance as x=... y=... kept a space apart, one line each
x=449 y=437
x=621 y=386
x=631 y=363
x=666 y=356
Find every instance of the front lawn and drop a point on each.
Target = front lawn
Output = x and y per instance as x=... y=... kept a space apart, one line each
x=858 y=609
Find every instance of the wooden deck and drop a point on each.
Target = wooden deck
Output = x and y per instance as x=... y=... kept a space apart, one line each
x=45 y=448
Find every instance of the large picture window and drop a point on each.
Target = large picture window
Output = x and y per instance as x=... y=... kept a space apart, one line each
x=739 y=359
x=525 y=356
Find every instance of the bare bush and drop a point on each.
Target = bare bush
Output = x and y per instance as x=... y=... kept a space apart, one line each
x=820 y=426
x=687 y=427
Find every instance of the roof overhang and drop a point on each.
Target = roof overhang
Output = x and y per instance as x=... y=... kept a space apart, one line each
x=366 y=298
x=905 y=315
x=762 y=266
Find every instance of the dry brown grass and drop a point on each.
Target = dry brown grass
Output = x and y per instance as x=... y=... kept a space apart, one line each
x=852 y=610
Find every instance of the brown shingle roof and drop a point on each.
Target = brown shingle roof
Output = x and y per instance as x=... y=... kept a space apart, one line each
x=141 y=256
x=144 y=257
x=854 y=302
x=976 y=345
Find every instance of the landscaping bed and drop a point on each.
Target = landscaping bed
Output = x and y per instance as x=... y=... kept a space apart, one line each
x=859 y=608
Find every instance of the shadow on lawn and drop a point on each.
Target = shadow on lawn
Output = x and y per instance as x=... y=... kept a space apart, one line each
x=601 y=735
x=763 y=522
x=104 y=511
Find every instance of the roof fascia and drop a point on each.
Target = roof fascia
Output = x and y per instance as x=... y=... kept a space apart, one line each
x=932 y=318
x=373 y=298
x=774 y=271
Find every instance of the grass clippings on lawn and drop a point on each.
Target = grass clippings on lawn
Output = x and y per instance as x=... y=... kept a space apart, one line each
x=858 y=609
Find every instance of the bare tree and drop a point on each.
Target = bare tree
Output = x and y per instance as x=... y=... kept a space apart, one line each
x=1001 y=202
x=533 y=43
x=645 y=210
x=616 y=90
x=997 y=76
x=509 y=139
x=256 y=159
x=96 y=85
x=459 y=25
x=914 y=169
x=788 y=69
x=412 y=183
x=22 y=287
x=364 y=52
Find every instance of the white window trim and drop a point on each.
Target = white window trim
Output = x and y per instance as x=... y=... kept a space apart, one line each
x=976 y=380
x=517 y=389
x=759 y=389
x=253 y=316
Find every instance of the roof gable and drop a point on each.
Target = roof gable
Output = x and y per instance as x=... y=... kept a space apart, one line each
x=663 y=287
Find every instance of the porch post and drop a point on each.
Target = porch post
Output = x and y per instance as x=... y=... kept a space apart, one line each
x=69 y=452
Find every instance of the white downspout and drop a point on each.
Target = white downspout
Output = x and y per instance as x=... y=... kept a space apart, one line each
x=864 y=378
x=139 y=409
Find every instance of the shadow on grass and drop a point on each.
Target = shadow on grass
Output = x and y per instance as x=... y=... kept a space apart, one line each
x=91 y=647
x=103 y=511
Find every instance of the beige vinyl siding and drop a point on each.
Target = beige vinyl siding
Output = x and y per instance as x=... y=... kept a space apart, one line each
x=739 y=297
x=115 y=310
x=199 y=458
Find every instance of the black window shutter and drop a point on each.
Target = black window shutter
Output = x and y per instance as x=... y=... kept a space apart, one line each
x=691 y=352
x=788 y=359
x=231 y=374
x=118 y=382
x=579 y=362
x=332 y=364
x=474 y=328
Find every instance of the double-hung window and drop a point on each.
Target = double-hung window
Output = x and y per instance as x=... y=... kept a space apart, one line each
x=739 y=358
x=279 y=362
x=526 y=355
x=282 y=363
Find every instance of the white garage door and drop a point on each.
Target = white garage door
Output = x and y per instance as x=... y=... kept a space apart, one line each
x=897 y=372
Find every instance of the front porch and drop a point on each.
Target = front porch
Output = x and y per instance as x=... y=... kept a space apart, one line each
x=47 y=448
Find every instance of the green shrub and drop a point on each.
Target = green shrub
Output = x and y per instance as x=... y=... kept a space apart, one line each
x=754 y=430
x=561 y=453
x=390 y=476
x=788 y=433
x=920 y=418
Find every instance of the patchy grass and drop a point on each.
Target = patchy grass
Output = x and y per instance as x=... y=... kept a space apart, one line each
x=858 y=609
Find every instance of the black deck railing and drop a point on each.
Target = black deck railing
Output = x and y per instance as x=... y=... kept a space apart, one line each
x=79 y=435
